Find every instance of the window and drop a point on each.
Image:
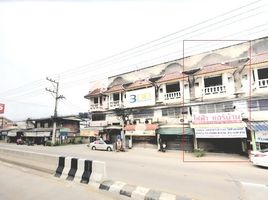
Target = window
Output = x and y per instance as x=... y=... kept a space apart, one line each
x=258 y=105
x=116 y=96
x=173 y=112
x=46 y=125
x=95 y=100
x=263 y=73
x=173 y=87
x=216 y=108
x=145 y=113
x=213 y=81
x=98 y=117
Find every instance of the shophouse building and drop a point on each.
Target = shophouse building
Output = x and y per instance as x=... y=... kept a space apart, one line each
x=216 y=100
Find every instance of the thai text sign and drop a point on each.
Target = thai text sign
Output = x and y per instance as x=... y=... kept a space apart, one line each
x=261 y=137
x=2 y=108
x=220 y=132
x=217 y=118
x=143 y=97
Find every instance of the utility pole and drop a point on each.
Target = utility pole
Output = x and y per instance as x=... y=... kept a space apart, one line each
x=55 y=92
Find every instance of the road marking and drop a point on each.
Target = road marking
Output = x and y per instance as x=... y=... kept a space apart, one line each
x=254 y=184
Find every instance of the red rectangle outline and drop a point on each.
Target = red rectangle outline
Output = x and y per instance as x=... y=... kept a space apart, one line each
x=183 y=131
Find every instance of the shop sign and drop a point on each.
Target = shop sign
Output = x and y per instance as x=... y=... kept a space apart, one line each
x=261 y=137
x=220 y=132
x=89 y=132
x=143 y=97
x=217 y=118
x=141 y=133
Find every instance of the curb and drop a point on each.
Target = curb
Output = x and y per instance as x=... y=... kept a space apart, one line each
x=138 y=192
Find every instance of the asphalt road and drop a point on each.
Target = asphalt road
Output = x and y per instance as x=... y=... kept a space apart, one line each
x=18 y=183
x=167 y=172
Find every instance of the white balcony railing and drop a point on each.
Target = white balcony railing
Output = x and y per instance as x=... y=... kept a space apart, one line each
x=95 y=107
x=263 y=83
x=115 y=104
x=172 y=95
x=214 y=90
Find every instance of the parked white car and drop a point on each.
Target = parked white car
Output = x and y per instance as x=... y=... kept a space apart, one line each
x=101 y=145
x=259 y=158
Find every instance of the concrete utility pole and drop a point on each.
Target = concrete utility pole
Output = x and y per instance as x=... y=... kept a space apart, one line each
x=57 y=97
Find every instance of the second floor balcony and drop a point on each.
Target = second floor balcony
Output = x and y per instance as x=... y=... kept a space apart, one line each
x=215 y=90
x=115 y=104
x=97 y=107
x=172 y=97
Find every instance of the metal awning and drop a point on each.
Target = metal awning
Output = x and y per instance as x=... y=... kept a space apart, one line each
x=12 y=134
x=223 y=125
x=36 y=134
x=175 y=131
x=260 y=129
x=261 y=126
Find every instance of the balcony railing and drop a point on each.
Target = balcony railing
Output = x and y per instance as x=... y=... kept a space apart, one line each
x=263 y=83
x=115 y=104
x=96 y=107
x=214 y=90
x=172 y=95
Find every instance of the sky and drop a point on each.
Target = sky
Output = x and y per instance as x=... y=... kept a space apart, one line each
x=81 y=43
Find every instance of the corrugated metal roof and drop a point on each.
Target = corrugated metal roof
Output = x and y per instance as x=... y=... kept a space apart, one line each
x=258 y=126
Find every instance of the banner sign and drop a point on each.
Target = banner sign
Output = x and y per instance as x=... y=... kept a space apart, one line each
x=217 y=118
x=220 y=133
x=261 y=137
x=143 y=97
x=2 y=108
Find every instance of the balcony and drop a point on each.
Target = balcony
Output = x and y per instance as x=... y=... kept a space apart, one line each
x=96 y=107
x=172 y=97
x=215 y=90
x=263 y=83
x=115 y=104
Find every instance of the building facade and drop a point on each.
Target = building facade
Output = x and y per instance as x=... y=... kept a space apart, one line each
x=216 y=100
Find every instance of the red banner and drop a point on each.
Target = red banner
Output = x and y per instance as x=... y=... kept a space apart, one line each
x=2 y=108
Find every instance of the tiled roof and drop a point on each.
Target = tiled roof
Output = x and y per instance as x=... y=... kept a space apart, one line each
x=259 y=58
x=115 y=88
x=140 y=127
x=95 y=92
x=139 y=83
x=170 y=77
x=214 y=68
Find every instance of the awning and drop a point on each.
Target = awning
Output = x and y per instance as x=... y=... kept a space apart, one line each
x=12 y=134
x=36 y=134
x=175 y=131
x=141 y=127
x=114 y=127
x=258 y=126
x=141 y=133
x=229 y=125
x=261 y=130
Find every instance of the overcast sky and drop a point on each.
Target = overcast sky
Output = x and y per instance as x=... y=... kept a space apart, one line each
x=78 y=42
